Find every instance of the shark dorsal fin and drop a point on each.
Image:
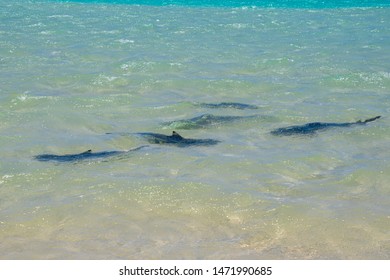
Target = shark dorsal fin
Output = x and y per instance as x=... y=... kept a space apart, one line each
x=176 y=135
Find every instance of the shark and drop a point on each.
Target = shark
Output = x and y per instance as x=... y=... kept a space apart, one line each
x=311 y=129
x=87 y=155
x=230 y=105
x=205 y=120
x=176 y=139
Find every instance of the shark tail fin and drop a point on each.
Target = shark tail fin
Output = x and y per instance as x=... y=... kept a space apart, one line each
x=372 y=119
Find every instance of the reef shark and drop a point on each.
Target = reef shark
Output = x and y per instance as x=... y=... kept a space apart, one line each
x=83 y=156
x=176 y=139
x=205 y=120
x=233 y=105
x=311 y=128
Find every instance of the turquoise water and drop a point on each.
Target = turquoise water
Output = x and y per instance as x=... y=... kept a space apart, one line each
x=251 y=3
x=71 y=72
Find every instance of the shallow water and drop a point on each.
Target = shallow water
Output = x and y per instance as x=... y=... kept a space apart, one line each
x=72 y=72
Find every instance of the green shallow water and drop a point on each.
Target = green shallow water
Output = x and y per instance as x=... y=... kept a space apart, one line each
x=70 y=75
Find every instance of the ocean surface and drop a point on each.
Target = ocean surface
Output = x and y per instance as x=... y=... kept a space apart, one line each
x=73 y=71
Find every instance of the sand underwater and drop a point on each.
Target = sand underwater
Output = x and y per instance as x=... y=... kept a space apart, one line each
x=71 y=72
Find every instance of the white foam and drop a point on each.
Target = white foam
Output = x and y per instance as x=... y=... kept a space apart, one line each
x=125 y=41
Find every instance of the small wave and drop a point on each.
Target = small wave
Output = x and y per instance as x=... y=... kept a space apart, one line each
x=103 y=79
x=125 y=41
x=60 y=16
x=39 y=24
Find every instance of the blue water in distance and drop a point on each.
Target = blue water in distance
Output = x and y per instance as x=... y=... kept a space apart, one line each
x=251 y=3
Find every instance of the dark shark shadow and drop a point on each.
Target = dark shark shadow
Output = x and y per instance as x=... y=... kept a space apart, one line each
x=176 y=140
x=229 y=105
x=87 y=155
x=310 y=129
x=206 y=120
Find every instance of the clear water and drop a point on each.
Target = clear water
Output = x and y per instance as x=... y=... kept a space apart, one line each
x=70 y=72
x=248 y=3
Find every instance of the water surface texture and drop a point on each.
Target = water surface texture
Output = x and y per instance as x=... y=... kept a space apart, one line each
x=71 y=72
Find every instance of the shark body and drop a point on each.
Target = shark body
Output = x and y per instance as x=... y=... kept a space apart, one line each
x=312 y=128
x=205 y=120
x=176 y=139
x=230 y=105
x=87 y=155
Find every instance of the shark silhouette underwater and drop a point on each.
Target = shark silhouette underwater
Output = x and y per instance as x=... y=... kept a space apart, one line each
x=154 y=138
x=206 y=120
x=175 y=139
x=311 y=129
x=87 y=155
x=229 y=105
